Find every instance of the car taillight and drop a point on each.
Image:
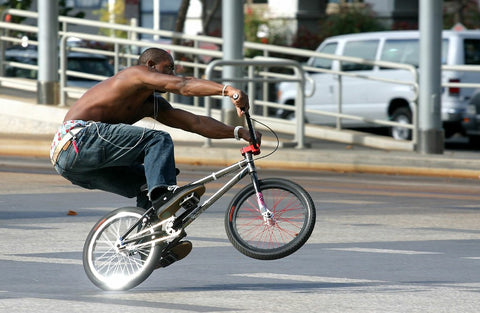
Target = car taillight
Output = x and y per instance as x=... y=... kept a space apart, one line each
x=454 y=91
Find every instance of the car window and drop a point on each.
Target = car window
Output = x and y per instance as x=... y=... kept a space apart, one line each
x=95 y=66
x=472 y=51
x=11 y=71
x=407 y=51
x=365 y=49
x=322 y=62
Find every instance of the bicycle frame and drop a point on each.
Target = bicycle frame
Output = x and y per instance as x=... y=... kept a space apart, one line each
x=243 y=167
x=246 y=166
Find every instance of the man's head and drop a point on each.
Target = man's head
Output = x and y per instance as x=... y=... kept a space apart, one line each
x=157 y=59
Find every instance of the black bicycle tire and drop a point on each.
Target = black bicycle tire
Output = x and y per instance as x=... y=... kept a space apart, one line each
x=298 y=192
x=90 y=242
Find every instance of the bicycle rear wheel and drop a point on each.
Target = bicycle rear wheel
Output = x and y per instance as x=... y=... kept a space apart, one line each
x=293 y=220
x=110 y=267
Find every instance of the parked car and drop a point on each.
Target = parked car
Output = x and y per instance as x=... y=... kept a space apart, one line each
x=471 y=119
x=76 y=61
x=379 y=100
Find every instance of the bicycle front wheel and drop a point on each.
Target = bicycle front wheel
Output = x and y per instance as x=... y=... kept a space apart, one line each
x=290 y=227
x=112 y=265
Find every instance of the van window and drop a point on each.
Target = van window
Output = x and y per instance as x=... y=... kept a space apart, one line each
x=365 y=49
x=401 y=51
x=407 y=51
x=472 y=51
x=325 y=63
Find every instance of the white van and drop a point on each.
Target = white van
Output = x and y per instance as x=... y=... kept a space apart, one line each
x=379 y=100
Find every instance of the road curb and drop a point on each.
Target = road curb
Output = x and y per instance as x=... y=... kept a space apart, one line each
x=287 y=159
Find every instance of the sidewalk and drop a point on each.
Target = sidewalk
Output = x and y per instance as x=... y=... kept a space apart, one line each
x=26 y=130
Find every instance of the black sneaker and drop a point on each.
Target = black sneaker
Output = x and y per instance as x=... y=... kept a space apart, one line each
x=178 y=252
x=167 y=204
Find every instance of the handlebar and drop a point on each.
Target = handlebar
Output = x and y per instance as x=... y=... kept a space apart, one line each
x=253 y=135
x=254 y=148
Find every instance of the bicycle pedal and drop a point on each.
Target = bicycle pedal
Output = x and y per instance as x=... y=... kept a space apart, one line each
x=190 y=201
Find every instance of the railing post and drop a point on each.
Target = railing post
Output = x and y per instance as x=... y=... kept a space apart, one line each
x=251 y=87
x=300 y=108
x=338 y=123
x=63 y=69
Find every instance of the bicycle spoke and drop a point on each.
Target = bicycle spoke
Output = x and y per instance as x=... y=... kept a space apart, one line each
x=288 y=219
x=115 y=263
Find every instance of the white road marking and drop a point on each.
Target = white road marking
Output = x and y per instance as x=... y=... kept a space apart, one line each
x=388 y=251
x=349 y=201
x=305 y=278
x=17 y=258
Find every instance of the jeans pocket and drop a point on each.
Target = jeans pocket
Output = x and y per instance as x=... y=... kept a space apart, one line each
x=88 y=158
x=65 y=159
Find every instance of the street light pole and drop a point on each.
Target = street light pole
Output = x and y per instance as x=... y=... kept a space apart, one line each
x=431 y=134
x=47 y=83
x=232 y=33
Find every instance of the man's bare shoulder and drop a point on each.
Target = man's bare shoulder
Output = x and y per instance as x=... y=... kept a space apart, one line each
x=132 y=71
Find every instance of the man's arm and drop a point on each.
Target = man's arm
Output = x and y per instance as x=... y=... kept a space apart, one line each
x=199 y=124
x=191 y=86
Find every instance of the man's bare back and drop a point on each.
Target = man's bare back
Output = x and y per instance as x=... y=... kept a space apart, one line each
x=119 y=99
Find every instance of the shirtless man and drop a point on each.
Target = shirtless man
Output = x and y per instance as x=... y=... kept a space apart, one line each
x=98 y=148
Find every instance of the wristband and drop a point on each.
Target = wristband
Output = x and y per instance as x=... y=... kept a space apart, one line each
x=235 y=132
x=223 y=90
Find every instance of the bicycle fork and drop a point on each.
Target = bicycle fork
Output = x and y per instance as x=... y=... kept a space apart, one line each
x=267 y=214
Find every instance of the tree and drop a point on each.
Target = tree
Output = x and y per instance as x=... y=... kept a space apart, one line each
x=182 y=16
x=354 y=19
x=207 y=15
x=15 y=4
x=465 y=12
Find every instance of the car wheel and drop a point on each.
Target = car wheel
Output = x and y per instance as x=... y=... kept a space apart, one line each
x=474 y=141
x=403 y=116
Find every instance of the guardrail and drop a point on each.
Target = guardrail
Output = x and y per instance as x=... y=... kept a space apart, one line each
x=124 y=53
x=251 y=79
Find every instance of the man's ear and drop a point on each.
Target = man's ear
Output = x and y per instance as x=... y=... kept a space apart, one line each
x=151 y=64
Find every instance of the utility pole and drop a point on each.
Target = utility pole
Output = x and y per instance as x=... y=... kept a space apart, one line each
x=431 y=134
x=232 y=33
x=47 y=82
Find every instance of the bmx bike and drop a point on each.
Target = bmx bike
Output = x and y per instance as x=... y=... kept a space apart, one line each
x=267 y=219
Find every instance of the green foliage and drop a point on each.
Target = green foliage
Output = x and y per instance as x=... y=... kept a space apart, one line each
x=119 y=18
x=468 y=14
x=350 y=20
x=252 y=21
x=16 y=4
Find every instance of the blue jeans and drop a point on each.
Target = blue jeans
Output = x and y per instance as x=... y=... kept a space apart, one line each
x=119 y=158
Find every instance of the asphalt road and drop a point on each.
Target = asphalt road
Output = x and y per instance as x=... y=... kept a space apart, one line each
x=381 y=244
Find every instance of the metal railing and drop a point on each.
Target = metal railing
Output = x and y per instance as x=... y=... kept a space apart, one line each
x=251 y=79
x=125 y=52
